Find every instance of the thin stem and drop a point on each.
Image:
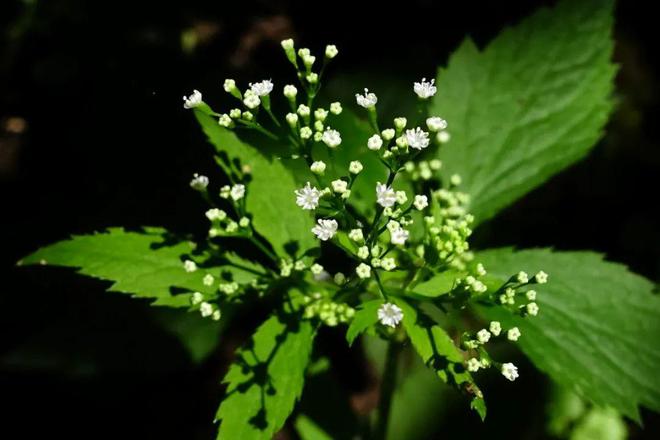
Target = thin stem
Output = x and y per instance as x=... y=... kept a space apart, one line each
x=387 y=387
x=263 y=248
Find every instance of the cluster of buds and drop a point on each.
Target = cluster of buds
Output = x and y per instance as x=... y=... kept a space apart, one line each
x=206 y=309
x=474 y=344
x=287 y=267
x=327 y=311
x=516 y=294
x=423 y=170
x=223 y=226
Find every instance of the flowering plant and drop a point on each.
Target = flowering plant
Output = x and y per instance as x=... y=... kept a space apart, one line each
x=353 y=223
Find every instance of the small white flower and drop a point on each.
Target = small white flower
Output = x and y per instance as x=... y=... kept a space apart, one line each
x=495 y=328
x=229 y=85
x=455 y=179
x=224 y=120
x=368 y=100
x=331 y=138
x=335 y=108
x=312 y=78
x=400 y=123
x=513 y=334
x=196 y=298
x=388 y=134
x=305 y=133
x=417 y=138
x=262 y=88
x=363 y=271
x=299 y=265
x=317 y=167
x=290 y=91
x=232 y=227
x=356 y=235
x=206 y=309
x=251 y=100
x=385 y=195
x=303 y=110
x=320 y=114
x=216 y=214
x=401 y=197
x=244 y=222
x=363 y=252
x=541 y=277
x=483 y=336
x=421 y=202
x=237 y=191
x=399 y=236
x=339 y=186
x=308 y=197
x=532 y=309
x=331 y=51
x=510 y=371
x=216 y=315
x=374 y=143
x=199 y=182
x=435 y=164
x=481 y=271
x=388 y=263
x=355 y=167
x=436 y=124
x=304 y=52
x=316 y=269
x=235 y=113
x=287 y=44
x=522 y=277
x=308 y=60
x=193 y=100
x=189 y=266
x=425 y=89
x=325 y=229
x=291 y=119
x=531 y=295
x=443 y=137
x=208 y=279
x=473 y=365
x=390 y=315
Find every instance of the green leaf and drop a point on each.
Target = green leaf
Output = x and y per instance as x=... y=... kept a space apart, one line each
x=532 y=103
x=364 y=318
x=143 y=264
x=439 y=353
x=266 y=379
x=308 y=430
x=439 y=284
x=270 y=197
x=596 y=328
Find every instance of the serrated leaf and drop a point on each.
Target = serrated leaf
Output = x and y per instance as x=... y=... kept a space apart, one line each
x=143 y=264
x=595 y=329
x=439 y=284
x=532 y=103
x=439 y=353
x=365 y=317
x=270 y=198
x=266 y=379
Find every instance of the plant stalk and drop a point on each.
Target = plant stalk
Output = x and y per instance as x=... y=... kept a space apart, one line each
x=387 y=387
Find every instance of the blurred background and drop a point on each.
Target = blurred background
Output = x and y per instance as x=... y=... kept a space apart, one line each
x=93 y=134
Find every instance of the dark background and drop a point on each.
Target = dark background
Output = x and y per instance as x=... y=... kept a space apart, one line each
x=93 y=134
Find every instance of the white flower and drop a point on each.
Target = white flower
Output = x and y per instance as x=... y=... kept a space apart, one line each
x=317 y=167
x=436 y=124
x=483 y=336
x=303 y=110
x=513 y=334
x=290 y=91
x=244 y=222
x=400 y=123
x=189 y=266
x=390 y=314
x=331 y=51
x=229 y=85
x=443 y=137
x=291 y=119
x=363 y=271
x=208 y=279
x=216 y=214
x=495 y=328
x=235 y=113
x=316 y=269
x=363 y=252
x=339 y=186
x=388 y=134
x=417 y=138
x=196 y=298
x=510 y=371
x=368 y=100
x=356 y=235
x=541 y=277
x=374 y=143
x=401 y=197
x=473 y=365
x=339 y=278
x=262 y=88
x=425 y=89
x=522 y=277
x=532 y=309
x=335 y=108
x=385 y=195
x=216 y=315
x=312 y=78
x=435 y=164
x=355 y=167
x=421 y=202
x=237 y=191
x=251 y=100
x=388 y=263
x=287 y=44
x=308 y=197
x=531 y=295
x=481 y=271
x=399 y=236
x=224 y=120
x=199 y=182
x=206 y=309
x=320 y=114
x=331 y=138
x=193 y=100
x=325 y=229
x=305 y=133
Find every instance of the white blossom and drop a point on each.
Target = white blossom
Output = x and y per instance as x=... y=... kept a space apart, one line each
x=435 y=123
x=425 y=89
x=317 y=167
x=305 y=133
x=339 y=186
x=303 y=110
x=355 y=167
x=473 y=365
x=421 y=202
x=206 y=309
x=290 y=91
x=400 y=123
x=510 y=371
x=417 y=138
x=291 y=119
x=483 y=336
x=532 y=309
x=216 y=214
x=481 y=270
x=335 y=108
x=225 y=120
x=443 y=137
x=287 y=44
x=262 y=88
x=308 y=197
x=356 y=235
x=363 y=271
x=541 y=277
x=331 y=138
x=229 y=85
x=399 y=236
x=388 y=263
x=513 y=334
x=390 y=314
x=455 y=179
x=216 y=315
x=251 y=100
x=401 y=197
x=316 y=269
x=237 y=191
x=193 y=100
x=522 y=277
x=244 y=222
x=196 y=298
x=363 y=252
x=199 y=182
x=385 y=195
x=331 y=51
x=325 y=229
x=495 y=328
x=368 y=100
x=531 y=295
x=374 y=143
x=388 y=134
x=312 y=78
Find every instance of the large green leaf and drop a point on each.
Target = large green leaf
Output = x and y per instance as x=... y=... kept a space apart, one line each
x=597 y=328
x=144 y=264
x=365 y=317
x=266 y=379
x=529 y=105
x=270 y=197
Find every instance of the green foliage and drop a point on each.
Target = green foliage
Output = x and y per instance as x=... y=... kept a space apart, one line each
x=532 y=103
x=364 y=318
x=595 y=329
x=144 y=264
x=308 y=430
x=439 y=284
x=266 y=379
x=271 y=197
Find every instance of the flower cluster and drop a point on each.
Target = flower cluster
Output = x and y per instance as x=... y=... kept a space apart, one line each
x=327 y=311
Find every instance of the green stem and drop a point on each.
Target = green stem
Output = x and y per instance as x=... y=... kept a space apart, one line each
x=263 y=248
x=387 y=387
